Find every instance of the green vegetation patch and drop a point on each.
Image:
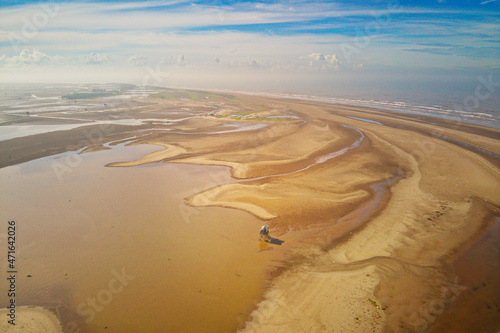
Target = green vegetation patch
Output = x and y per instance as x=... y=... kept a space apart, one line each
x=213 y=96
x=245 y=113
x=193 y=95
x=374 y=303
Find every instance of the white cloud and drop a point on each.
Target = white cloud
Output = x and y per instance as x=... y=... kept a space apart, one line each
x=331 y=59
x=142 y=4
x=98 y=16
x=159 y=35
x=29 y=57
x=179 y=61
x=138 y=60
x=96 y=58
x=323 y=62
x=2 y=57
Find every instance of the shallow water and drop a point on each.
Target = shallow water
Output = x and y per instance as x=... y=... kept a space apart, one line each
x=17 y=131
x=8 y=132
x=366 y=120
x=321 y=159
x=360 y=215
x=116 y=249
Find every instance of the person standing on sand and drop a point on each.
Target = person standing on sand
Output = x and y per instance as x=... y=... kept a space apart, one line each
x=264 y=232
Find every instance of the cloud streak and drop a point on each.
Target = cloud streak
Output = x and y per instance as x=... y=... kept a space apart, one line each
x=210 y=36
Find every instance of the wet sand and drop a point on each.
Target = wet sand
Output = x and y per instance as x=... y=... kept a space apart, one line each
x=116 y=249
x=478 y=269
x=377 y=210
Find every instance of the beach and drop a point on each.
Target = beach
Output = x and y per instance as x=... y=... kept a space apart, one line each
x=378 y=212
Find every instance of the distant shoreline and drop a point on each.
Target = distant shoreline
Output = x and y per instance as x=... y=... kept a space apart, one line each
x=393 y=106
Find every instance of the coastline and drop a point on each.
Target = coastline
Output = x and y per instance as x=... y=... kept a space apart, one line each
x=372 y=271
x=387 y=106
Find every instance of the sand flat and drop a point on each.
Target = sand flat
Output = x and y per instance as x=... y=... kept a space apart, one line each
x=439 y=197
x=375 y=206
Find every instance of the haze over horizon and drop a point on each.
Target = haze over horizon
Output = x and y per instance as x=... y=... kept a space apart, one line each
x=299 y=46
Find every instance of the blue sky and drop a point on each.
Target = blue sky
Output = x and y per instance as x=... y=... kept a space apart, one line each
x=186 y=42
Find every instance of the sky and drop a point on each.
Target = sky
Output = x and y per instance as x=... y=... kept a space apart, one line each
x=248 y=44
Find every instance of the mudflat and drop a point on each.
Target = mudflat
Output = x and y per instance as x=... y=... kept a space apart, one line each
x=379 y=210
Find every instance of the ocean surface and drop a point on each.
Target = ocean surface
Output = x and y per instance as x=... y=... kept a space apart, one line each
x=473 y=99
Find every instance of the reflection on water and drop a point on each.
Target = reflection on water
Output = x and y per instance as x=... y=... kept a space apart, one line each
x=321 y=159
x=116 y=249
x=366 y=120
x=368 y=208
x=16 y=131
x=8 y=132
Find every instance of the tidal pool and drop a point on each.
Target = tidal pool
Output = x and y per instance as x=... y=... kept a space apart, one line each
x=117 y=250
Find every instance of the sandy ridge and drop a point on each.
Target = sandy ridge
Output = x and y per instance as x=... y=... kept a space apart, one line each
x=396 y=233
x=157 y=156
